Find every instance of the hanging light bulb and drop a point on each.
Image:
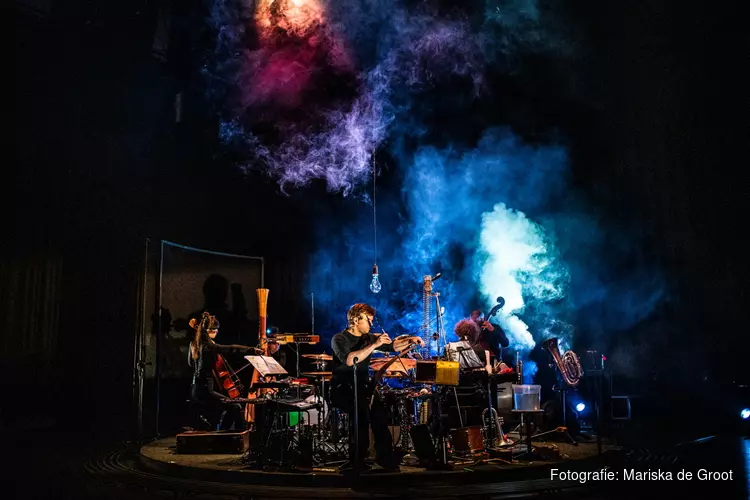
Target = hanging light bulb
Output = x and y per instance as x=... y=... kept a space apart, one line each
x=375 y=283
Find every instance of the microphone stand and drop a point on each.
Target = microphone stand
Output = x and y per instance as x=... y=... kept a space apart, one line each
x=356 y=420
x=439 y=324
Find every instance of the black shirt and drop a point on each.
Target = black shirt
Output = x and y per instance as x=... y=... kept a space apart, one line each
x=493 y=341
x=344 y=343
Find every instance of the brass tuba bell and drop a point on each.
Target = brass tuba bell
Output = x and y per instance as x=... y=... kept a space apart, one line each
x=568 y=363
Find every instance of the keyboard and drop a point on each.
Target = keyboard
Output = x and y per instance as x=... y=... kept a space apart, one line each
x=295 y=338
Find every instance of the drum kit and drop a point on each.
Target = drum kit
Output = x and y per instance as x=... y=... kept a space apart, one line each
x=320 y=377
x=414 y=393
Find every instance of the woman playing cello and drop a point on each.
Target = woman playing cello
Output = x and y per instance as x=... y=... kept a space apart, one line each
x=210 y=368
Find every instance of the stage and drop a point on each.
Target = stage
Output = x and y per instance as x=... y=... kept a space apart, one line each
x=481 y=476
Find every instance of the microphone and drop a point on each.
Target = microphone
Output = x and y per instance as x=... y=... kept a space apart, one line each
x=437 y=276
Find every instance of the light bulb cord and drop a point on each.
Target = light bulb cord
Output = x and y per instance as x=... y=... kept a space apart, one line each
x=374 y=213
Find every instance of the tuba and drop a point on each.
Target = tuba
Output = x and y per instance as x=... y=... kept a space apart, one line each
x=568 y=364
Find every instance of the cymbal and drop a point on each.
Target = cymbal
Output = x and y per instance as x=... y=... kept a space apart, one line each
x=321 y=357
x=317 y=374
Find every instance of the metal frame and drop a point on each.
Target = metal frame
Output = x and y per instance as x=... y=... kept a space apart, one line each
x=139 y=363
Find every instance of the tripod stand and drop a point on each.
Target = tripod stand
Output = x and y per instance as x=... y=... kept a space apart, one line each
x=527 y=426
x=328 y=448
x=562 y=429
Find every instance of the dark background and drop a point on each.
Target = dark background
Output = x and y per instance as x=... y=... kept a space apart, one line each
x=98 y=164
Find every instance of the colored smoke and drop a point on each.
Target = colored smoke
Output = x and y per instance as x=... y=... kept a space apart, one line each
x=322 y=86
x=529 y=371
x=520 y=265
x=499 y=220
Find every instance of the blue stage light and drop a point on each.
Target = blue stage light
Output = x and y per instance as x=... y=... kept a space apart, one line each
x=745 y=413
x=580 y=407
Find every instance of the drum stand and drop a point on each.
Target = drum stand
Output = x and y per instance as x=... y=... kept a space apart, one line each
x=331 y=444
x=321 y=399
x=324 y=445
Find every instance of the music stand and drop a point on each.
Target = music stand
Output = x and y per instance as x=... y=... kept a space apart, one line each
x=466 y=356
x=266 y=365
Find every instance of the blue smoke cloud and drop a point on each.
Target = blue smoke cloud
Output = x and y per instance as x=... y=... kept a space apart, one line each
x=498 y=220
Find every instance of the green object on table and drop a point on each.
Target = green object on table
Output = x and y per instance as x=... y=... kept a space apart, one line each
x=293 y=418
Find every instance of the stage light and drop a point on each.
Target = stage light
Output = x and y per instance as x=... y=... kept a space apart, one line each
x=745 y=413
x=375 y=283
x=580 y=407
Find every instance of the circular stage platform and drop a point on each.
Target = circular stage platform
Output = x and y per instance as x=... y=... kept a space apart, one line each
x=480 y=477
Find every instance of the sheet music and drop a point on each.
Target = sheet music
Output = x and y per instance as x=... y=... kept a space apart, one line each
x=463 y=353
x=266 y=365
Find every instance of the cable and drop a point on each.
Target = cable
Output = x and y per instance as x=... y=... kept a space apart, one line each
x=374 y=212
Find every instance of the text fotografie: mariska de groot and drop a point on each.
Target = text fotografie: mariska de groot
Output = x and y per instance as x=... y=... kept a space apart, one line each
x=607 y=474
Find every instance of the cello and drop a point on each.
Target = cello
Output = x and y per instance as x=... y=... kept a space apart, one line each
x=265 y=348
x=224 y=375
x=227 y=378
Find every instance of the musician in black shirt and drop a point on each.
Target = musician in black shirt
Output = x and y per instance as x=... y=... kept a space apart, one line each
x=491 y=335
x=356 y=344
x=202 y=358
